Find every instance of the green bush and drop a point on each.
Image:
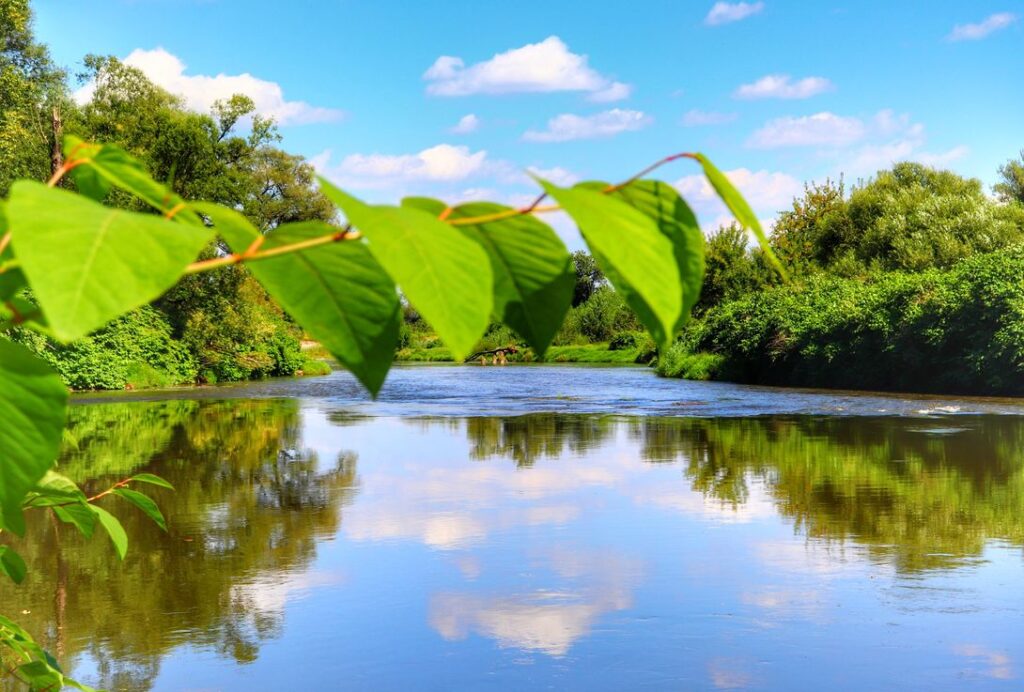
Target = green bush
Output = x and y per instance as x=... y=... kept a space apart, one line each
x=958 y=330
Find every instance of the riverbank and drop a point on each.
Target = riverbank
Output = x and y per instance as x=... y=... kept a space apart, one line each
x=955 y=331
x=599 y=353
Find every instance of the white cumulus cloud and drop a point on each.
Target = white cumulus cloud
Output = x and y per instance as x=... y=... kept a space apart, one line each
x=167 y=71
x=728 y=12
x=441 y=163
x=467 y=123
x=767 y=192
x=569 y=126
x=782 y=86
x=546 y=66
x=820 y=129
x=974 y=32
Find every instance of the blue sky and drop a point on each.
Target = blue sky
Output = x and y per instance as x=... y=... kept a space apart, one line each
x=776 y=92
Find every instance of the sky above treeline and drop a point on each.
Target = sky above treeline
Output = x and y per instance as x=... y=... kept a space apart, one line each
x=458 y=99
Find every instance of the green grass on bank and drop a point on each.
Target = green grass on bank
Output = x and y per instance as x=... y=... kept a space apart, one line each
x=576 y=353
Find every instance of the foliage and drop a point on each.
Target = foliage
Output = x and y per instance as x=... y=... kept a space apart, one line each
x=955 y=330
x=733 y=269
x=589 y=277
x=1010 y=187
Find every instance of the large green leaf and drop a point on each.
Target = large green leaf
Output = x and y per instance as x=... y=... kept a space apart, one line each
x=32 y=407
x=444 y=274
x=87 y=263
x=677 y=221
x=739 y=208
x=633 y=252
x=337 y=292
x=434 y=207
x=106 y=165
x=151 y=480
x=533 y=274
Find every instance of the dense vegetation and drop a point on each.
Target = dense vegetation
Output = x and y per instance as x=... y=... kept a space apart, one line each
x=217 y=327
x=914 y=281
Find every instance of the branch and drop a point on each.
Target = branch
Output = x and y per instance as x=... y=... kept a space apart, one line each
x=253 y=253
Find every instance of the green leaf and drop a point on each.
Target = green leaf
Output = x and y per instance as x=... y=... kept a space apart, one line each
x=152 y=480
x=32 y=407
x=533 y=273
x=11 y=282
x=87 y=263
x=338 y=292
x=445 y=275
x=79 y=515
x=12 y=565
x=145 y=503
x=114 y=529
x=107 y=164
x=52 y=489
x=633 y=252
x=661 y=202
x=434 y=207
x=739 y=208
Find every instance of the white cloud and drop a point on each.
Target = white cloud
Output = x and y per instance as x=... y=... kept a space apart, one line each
x=974 y=32
x=616 y=91
x=441 y=163
x=699 y=118
x=820 y=129
x=728 y=12
x=200 y=91
x=767 y=192
x=536 y=67
x=568 y=126
x=467 y=123
x=782 y=86
x=556 y=175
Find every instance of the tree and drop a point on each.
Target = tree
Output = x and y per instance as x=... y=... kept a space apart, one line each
x=732 y=268
x=32 y=95
x=1011 y=187
x=589 y=277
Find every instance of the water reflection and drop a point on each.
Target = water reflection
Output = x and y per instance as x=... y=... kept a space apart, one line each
x=560 y=538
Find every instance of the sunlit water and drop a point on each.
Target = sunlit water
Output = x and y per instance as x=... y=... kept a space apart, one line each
x=556 y=527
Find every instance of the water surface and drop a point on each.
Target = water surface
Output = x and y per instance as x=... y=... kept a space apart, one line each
x=511 y=528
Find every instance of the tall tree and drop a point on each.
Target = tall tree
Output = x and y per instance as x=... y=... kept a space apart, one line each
x=1011 y=187
x=32 y=95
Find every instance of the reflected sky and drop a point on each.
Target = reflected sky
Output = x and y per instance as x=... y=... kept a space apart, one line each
x=312 y=546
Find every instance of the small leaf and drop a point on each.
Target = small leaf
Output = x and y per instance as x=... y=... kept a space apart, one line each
x=114 y=529
x=152 y=480
x=337 y=292
x=80 y=515
x=636 y=256
x=434 y=207
x=12 y=565
x=32 y=406
x=145 y=503
x=87 y=263
x=739 y=208
x=533 y=273
x=446 y=276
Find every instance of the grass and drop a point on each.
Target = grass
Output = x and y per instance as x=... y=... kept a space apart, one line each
x=583 y=353
x=678 y=362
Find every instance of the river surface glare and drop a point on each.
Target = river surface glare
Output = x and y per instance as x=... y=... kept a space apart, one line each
x=525 y=527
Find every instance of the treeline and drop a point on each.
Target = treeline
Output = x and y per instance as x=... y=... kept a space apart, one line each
x=216 y=327
x=912 y=281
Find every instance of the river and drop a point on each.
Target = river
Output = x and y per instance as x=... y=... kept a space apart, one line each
x=540 y=526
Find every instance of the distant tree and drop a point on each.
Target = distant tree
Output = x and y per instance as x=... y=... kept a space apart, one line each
x=810 y=234
x=589 y=277
x=1011 y=187
x=32 y=97
x=732 y=269
x=914 y=217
